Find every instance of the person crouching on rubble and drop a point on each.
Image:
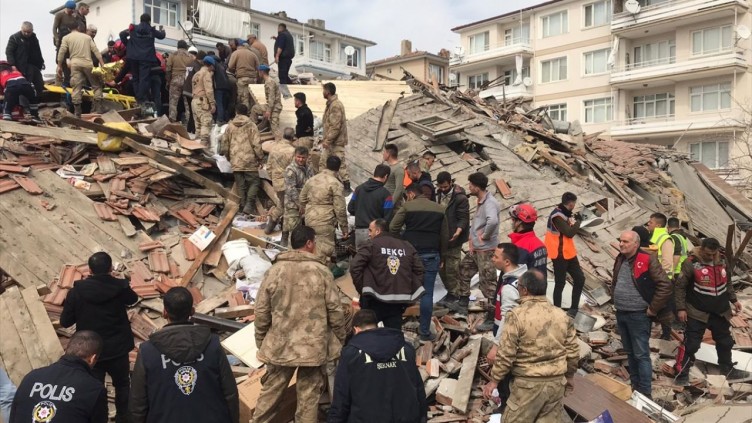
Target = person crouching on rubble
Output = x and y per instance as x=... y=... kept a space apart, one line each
x=13 y=86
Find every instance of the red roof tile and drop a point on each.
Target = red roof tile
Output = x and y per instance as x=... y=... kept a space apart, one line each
x=105 y=212
x=158 y=261
x=8 y=185
x=28 y=184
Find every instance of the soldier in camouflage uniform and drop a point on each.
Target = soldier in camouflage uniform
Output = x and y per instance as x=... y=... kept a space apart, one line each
x=203 y=104
x=299 y=326
x=241 y=144
x=297 y=174
x=280 y=155
x=244 y=64
x=335 y=132
x=539 y=348
x=323 y=205
x=175 y=74
x=273 y=106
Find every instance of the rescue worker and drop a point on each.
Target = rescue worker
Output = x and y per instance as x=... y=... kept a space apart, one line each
x=13 y=86
x=387 y=273
x=561 y=228
x=304 y=124
x=254 y=42
x=61 y=26
x=244 y=65
x=284 y=51
x=335 y=133
x=370 y=201
x=538 y=347
x=190 y=71
x=415 y=174
x=81 y=12
x=681 y=244
x=323 y=205
x=298 y=300
x=704 y=294
x=396 y=174
x=297 y=174
x=203 y=104
x=241 y=145
x=532 y=251
x=177 y=65
x=273 y=106
x=80 y=47
x=142 y=55
x=484 y=237
x=457 y=209
x=182 y=373
x=23 y=52
x=65 y=391
x=280 y=156
x=660 y=237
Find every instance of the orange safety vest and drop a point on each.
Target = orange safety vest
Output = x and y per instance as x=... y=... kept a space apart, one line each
x=556 y=242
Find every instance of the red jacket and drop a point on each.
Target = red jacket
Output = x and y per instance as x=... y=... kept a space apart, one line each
x=6 y=76
x=532 y=251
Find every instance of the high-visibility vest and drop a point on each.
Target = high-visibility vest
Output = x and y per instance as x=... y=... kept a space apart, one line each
x=682 y=241
x=557 y=244
x=660 y=235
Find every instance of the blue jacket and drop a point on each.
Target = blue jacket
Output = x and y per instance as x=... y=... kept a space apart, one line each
x=141 y=42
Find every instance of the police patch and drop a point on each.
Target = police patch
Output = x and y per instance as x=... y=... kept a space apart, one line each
x=393 y=263
x=185 y=378
x=43 y=412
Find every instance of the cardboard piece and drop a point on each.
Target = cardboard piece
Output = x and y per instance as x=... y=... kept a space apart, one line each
x=202 y=237
x=242 y=344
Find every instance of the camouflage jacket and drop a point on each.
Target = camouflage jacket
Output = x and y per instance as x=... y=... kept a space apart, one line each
x=280 y=156
x=297 y=308
x=323 y=201
x=203 y=86
x=241 y=144
x=273 y=96
x=538 y=340
x=295 y=178
x=335 y=123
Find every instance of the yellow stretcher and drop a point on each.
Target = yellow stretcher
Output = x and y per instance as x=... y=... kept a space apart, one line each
x=108 y=94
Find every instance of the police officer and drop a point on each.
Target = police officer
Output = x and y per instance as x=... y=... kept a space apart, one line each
x=65 y=391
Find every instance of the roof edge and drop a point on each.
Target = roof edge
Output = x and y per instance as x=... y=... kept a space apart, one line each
x=512 y=13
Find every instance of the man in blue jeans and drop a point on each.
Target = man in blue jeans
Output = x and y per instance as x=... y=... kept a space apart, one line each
x=426 y=228
x=7 y=392
x=641 y=290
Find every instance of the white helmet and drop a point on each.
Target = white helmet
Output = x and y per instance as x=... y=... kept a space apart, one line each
x=193 y=50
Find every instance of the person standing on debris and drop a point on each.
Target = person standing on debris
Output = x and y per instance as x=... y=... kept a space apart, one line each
x=335 y=132
x=222 y=91
x=370 y=201
x=254 y=42
x=641 y=292
x=273 y=106
x=284 y=51
x=80 y=47
x=182 y=373
x=538 y=347
x=190 y=71
x=304 y=124
x=81 y=12
x=203 y=104
x=387 y=273
x=23 y=52
x=484 y=237
x=681 y=244
x=426 y=228
x=377 y=363
x=396 y=174
x=141 y=54
x=65 y=391
x=704 y=293
x=241 y=145
x=561 y=228
x=297 y=174
x=61 y=26
x=177 y=64
x=99 y=303
x=280 y=156
x=532 y=251
x=323 y=205
x=296 y=285
x=244 y=65
x=664 y=243
x=505 y=258
x=421 y=178
x=457 y=209
x=13 y=86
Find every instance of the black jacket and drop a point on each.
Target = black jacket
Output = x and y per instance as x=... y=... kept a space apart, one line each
x=23 y=52
x=221 y=82
x=426 y=185
x=286 y=43
x=370 y=201
x=182 y=375
x=191 y=70
x=458 y=215
x=99 y=304
x=425 y=225
x=66 y=390
x=377 y=381
x=141 y=42
x=304 y=126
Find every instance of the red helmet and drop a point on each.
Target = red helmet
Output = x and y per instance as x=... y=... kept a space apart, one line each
x=524 y=212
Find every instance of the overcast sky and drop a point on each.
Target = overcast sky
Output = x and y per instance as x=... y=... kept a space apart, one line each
x=426 y=23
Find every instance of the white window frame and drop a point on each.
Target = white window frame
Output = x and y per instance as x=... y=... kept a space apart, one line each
x=476 y=81
x=557 y=61
x=256 y=29
x=588 y=62
x=592 y=105
x=299 y=44
x=546 y=24
x=325 y=53
x=718 y=163
x=652 y=101
x=591 y=9
x=165 y=11
x=558 y=111
x=517 y=35
x=510 y=75
x=355 y=62
x=704 y=92
x=440 y=76
x=486 y=45
x=668 y=46
x=723 y=46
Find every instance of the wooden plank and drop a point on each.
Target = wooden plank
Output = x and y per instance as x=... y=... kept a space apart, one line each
x=25 y=327
x=589 y=400
x=64 y=134
x=234 y=312
x=382 y=130
x=231 y=208
x=12 y=351
x=125 y=224
x=211 y=303
x=461 y=395
x=47 y=336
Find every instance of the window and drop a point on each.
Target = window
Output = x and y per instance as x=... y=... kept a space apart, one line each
x=598 y=110
x=554 y=70
x=256 y=29
x=299 y=45
x=477 y=81
x=510 y=76
x=437 y=72
x=657 y=53
x=479 y=43
x=712 y=40
x=352 y=61
x=558 y=111
x=321 y=51
x=517 y=35
x=598 y=14
x=555 y=24
x=713 y=154
x=653 y=106
x=162 y=12
x=651 y=2
x=597 y=61
x=710 y=97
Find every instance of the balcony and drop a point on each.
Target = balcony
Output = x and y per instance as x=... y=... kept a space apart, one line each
x=508 y=92
x=492 y=52
x=684 y=11
x=667 y=71
x=671 y=125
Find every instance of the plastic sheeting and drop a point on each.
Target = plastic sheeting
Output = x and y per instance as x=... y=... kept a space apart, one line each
x=222 y=21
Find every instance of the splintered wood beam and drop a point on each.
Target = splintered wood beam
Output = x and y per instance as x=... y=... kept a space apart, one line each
x=231 y=208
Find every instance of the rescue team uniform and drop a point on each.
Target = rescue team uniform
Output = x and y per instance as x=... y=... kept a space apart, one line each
x=559 y=243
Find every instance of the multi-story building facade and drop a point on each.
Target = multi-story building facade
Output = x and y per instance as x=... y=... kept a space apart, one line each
x=325 y=53
x=426 y=66
x=671 y=72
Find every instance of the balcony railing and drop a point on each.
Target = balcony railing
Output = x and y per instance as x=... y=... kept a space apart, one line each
x=671 y=9
x=502 y=92
x=507 y=48
x=671 y=123
x=675 y=68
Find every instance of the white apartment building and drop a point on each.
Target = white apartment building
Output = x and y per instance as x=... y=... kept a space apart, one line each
x=669 y=72
x=320 y=51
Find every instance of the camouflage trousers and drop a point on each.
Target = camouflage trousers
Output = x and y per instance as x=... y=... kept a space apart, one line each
x=339 y=151
x=291 y=219
x=202 y=118
x=478 y=262
x=306 y=142
x=535 y=400
x=176 y=94
x=244 y=92
x=279 y=206
x=260 y=109
x=450 y=273
x=81 y=75
x=309 y=385
x=324 y=240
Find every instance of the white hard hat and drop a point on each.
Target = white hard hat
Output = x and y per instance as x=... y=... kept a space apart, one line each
x=193 y=49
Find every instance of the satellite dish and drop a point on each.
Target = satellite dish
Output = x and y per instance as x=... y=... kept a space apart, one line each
x=459 y=51
x=632 y=6
x=453 y=77
x=743 y=32
x=188 y=25
x=527 y=81
x=349 y=50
